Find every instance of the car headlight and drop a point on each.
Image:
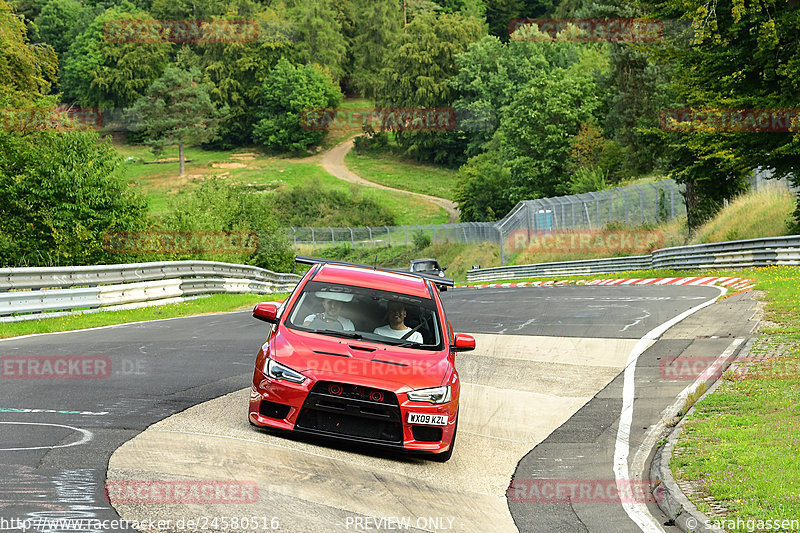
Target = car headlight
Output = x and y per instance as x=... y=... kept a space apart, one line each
x=275 y=370
x=441 y=274
x=434 y=395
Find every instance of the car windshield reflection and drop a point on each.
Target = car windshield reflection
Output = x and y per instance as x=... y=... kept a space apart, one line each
x=366 y=314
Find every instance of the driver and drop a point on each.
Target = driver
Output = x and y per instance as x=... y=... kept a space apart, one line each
x=396 y=315
x=332 y=303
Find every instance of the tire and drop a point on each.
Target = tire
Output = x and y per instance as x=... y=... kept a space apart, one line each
x=445 y=456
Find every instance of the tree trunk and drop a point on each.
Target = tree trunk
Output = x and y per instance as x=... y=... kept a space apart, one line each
x=692 y=200
x=180 y=157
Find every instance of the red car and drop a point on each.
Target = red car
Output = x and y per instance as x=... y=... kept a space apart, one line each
x=364 y=354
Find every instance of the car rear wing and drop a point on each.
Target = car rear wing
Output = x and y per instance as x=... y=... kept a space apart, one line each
x=306 y=260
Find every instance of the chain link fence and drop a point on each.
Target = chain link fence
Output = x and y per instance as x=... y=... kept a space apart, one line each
x=635 y=205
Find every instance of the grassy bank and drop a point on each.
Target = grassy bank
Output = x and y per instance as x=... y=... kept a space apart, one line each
x=404 y=174
x=742 y=444
x=217 y=303
x=765 y=213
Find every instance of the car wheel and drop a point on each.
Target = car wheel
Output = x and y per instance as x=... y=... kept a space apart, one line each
x=445 y=456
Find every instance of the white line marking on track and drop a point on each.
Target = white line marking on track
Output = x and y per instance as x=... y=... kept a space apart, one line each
x=638 y=512
x=655 y=431
x=87 y=436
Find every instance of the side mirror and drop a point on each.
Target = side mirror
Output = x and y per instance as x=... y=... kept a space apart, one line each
x=267 y=312
x=444 y=268
x=463 y=342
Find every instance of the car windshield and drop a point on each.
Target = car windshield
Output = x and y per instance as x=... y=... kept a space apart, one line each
x=366 y=314
x=425 y=266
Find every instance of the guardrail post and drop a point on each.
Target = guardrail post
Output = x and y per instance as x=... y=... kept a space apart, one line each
x=294 y=236
x=388 y=236
x=352 y=239
x=333 y=238
x=405 y=234
x=370 y=236
x=313 y=238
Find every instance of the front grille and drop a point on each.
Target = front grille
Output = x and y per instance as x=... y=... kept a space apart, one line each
x=273 y=410
x=346 y=410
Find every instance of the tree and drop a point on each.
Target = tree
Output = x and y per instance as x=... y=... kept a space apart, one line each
x=740 y=55
x=235 y=72
x=378 y=24
x=177 y=110
x=417 y=75
x=318 y=35
x=57 y=23
x=482 y=189
x=25 y=69
x=104 y=73
x=539 y=126
x=61 y=191
x=288 y=92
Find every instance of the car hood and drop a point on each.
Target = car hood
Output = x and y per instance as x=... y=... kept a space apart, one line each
x=360 y=362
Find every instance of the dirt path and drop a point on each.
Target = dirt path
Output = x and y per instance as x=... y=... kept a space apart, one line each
x=333 y=163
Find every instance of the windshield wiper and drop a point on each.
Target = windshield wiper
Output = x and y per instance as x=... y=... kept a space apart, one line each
x=415 y=345
x=337 y=333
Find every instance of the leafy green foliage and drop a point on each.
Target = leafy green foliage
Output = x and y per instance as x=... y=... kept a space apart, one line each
x=482 y=188
x=311 y=205
x=25 y=71
x=318 y=35
x=287 y=93
x=58 y=22
x=539 y=126
x=235 y=70
x=216 y=206
x=61 y=191
x=102 y=73
x=421 y=240
x=742 y=55
x=177 y=109
x=378 y=24
x=417 y=74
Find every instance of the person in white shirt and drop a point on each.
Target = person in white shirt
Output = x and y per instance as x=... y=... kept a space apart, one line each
x=396 y=314
x=330 y=319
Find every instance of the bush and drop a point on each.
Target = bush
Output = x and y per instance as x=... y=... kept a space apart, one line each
x=311 y=205
x=216 y=206
x=60 y=192
x=421 y=240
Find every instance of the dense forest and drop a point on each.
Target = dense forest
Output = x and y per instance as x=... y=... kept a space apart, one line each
x=537 y=113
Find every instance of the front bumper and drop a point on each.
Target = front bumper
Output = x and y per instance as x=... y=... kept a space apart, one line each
x=356 y=413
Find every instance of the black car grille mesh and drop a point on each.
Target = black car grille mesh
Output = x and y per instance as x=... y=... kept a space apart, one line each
x=352 y=411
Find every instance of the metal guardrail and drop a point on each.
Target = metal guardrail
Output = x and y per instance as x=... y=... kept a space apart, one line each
x=731 y=254
x=37 y=290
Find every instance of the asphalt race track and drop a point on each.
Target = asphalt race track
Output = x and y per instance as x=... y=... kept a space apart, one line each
x=542 y=403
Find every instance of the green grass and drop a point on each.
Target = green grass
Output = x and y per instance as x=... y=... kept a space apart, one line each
x=160 y=182
x=217 y=303
x=401 y=173
x=743 y=441
x=765 y=213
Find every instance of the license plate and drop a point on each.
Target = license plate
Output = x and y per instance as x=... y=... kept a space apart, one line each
x=427 y=420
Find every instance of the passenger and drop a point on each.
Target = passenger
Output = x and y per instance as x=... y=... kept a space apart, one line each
x=330 y=318
x=396 y=316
